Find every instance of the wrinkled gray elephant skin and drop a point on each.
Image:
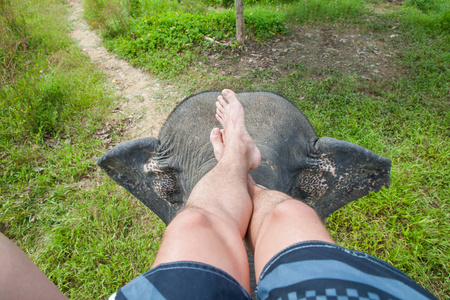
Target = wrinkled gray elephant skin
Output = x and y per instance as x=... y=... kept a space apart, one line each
x=325 y=173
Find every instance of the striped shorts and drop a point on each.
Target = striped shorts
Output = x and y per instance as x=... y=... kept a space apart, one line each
x=307 y=271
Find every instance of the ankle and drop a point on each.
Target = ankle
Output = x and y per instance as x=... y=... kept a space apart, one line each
x=236 y=153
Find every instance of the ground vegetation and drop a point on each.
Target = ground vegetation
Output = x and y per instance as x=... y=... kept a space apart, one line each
x=372 y=72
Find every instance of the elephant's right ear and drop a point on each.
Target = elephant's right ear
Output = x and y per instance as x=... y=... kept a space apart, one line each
x=133 y=165
x=339 y=172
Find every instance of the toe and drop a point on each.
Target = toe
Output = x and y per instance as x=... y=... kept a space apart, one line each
x=220 y=119
x=215 y=137
x=222 y=102
x=219 y=108
x=216 y=141
x=229 y=95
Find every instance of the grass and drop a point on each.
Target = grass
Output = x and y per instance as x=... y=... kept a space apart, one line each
x=91 y=237
x=55 y=204
x=326 y=11
x=405 y=119
x=165 y=39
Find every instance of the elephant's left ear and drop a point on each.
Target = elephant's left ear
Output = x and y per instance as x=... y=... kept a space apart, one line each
x=338 y=173
x=133 y=165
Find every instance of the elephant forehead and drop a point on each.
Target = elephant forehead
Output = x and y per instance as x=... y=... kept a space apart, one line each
x=270 y=119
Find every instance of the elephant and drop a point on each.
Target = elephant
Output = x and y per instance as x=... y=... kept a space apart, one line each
x=324 y=173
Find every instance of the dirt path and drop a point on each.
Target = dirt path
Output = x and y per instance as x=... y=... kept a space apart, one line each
x=137 y=89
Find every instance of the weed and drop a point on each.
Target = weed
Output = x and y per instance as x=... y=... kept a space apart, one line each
x=230 y=3
x=169 y=42
x=112 y=17
x=51 y=102
x=424 y=5
x=91 y=237
x=13 y=40
x=430 y=16
x=325 y=10
x=166 y=37
x=406 y=120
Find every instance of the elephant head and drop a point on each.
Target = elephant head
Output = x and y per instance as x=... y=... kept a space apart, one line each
x=324 y=173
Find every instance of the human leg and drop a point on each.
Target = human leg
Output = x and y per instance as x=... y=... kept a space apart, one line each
x=300 y=259
x=214 y=222
x=295 y=257
x=20 y=278
x=278 y=221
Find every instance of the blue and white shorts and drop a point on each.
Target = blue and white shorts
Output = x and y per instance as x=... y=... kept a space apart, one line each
x=308 y=270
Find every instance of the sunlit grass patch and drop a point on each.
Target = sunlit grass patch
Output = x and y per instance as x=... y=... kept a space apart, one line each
x=168 y=43
x=103 y=243
x=91 y=237
x=54 y=203
x=406 y=120
x=166 y=39
x=326 y=10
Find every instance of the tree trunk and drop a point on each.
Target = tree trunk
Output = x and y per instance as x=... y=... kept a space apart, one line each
x=240 y=27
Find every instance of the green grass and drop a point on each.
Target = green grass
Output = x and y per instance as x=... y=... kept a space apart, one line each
x=91 y=237
x=106 y=229
x=166 y=39
x=406 y=120
x=71 y=220
x=169 y=43
x=325 y=10
x=406 y=225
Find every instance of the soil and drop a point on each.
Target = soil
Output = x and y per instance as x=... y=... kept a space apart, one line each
x=324 y=47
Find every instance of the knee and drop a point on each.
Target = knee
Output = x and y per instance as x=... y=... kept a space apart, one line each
x=292 y=209
x=189 y=219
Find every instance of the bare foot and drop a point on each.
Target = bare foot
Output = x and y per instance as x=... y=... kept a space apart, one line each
x=230 y=113
x=217 y=142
